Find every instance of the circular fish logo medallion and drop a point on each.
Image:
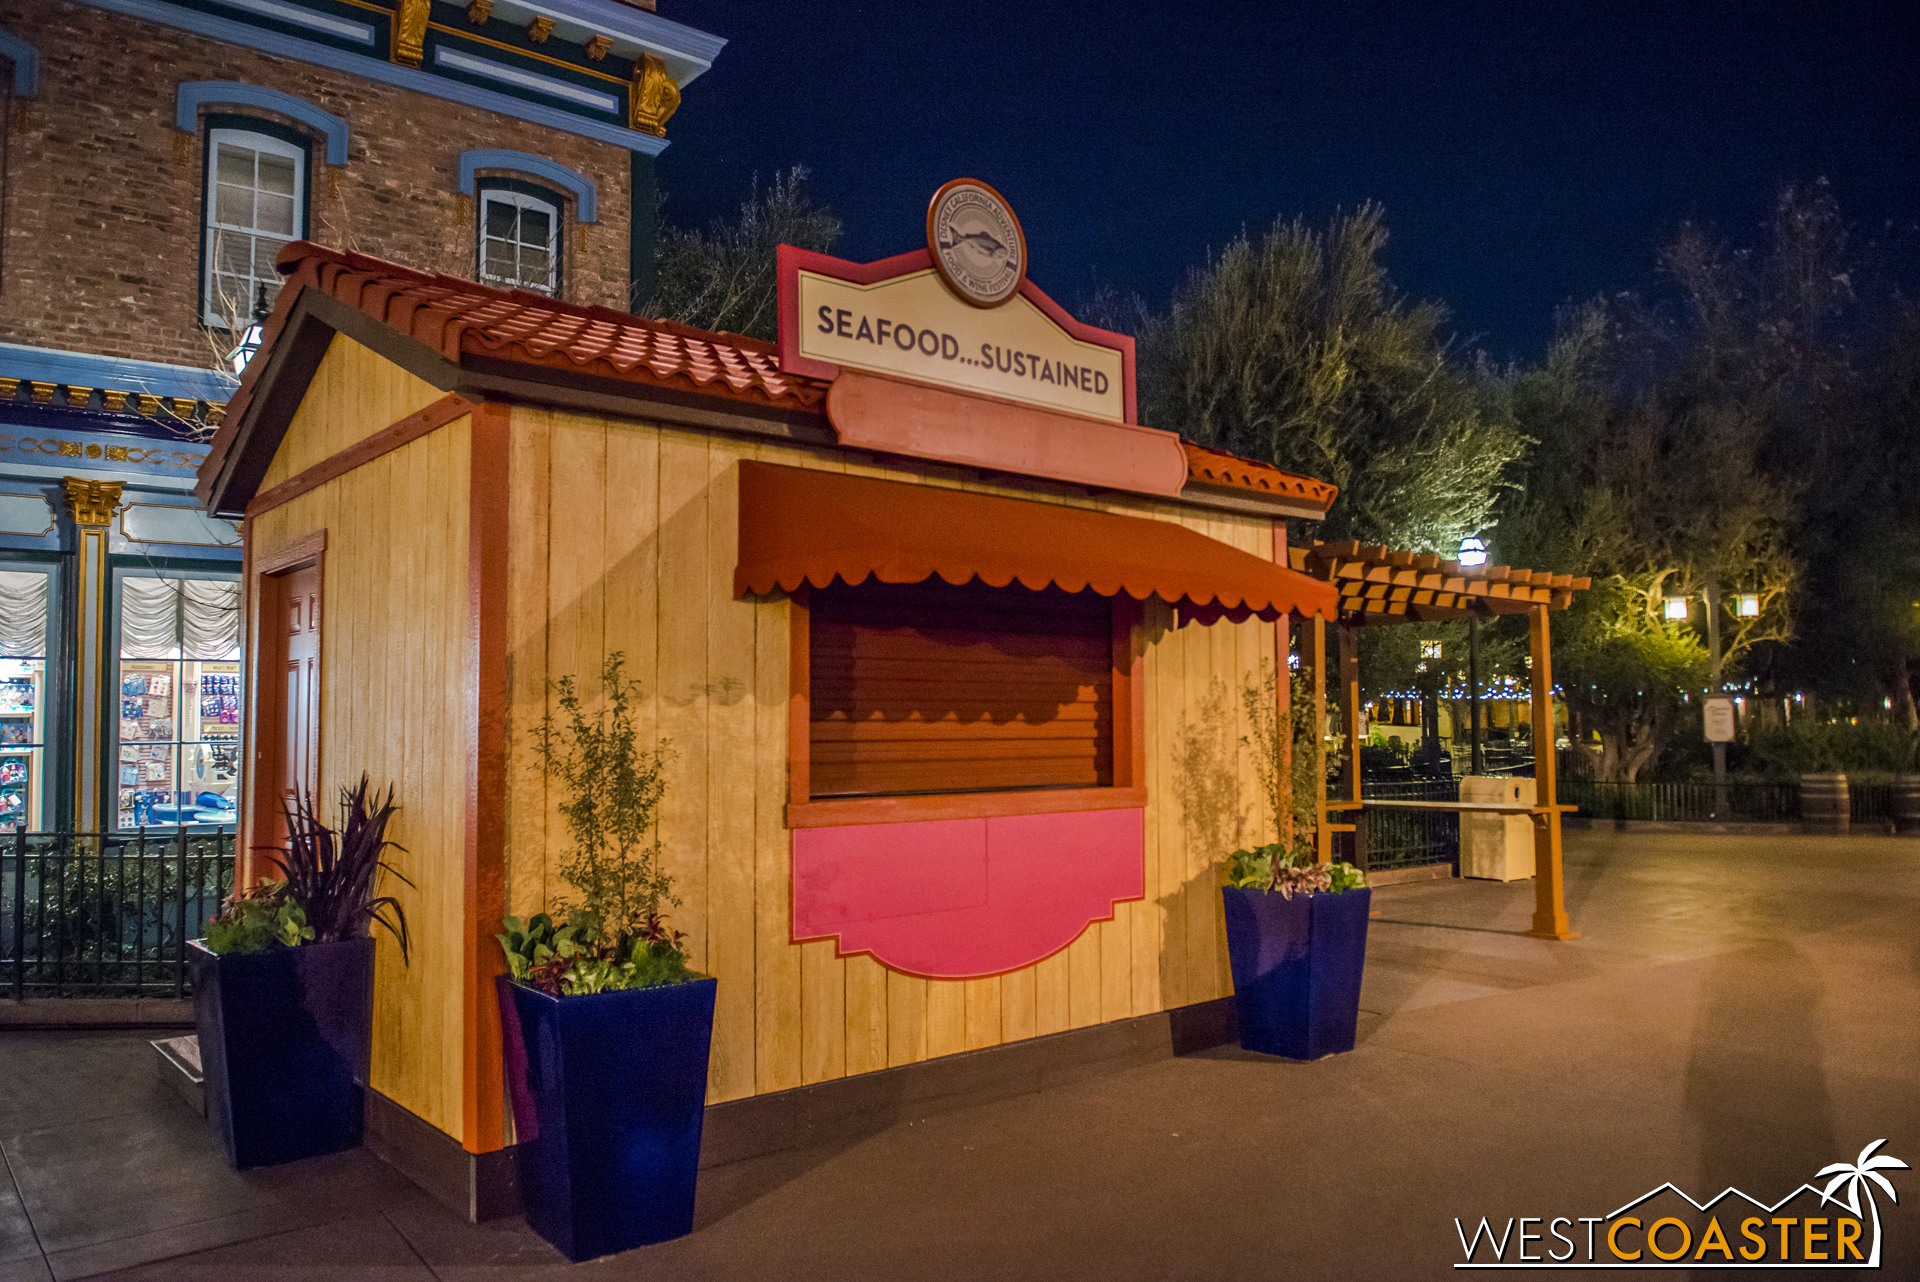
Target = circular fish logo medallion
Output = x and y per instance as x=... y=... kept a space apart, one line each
x=976 y=242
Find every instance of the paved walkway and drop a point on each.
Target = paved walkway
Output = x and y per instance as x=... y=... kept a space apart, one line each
x=1739 y=1011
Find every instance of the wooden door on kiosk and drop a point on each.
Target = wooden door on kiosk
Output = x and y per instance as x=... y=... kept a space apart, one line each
x=300 y=685
x=290 y=684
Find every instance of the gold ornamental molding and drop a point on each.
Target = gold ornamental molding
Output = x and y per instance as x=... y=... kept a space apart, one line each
x=192 y=413
x=655 y=96
x=410 y=31
x=92 y=503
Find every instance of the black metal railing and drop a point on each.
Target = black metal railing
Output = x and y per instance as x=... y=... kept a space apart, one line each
x=107 y=914
x=1871 y=804
x=1408 y=838
x=1684 y=802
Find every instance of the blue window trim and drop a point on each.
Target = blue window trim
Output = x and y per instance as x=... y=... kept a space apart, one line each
x=586 y=196
x=26 y=65
x=248 y=36
x=195 y=94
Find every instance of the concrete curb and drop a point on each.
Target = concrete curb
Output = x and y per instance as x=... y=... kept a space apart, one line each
x=97 y=1012
x=1601 y=824
x=1419 y=872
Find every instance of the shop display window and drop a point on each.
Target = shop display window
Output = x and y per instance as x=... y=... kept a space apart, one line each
x=24 y=599
x=179 y=694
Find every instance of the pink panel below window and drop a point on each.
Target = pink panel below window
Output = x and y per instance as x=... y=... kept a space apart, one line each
x=965 y=898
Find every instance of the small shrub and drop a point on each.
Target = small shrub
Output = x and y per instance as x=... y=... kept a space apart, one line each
x=614 y=935
x=1825 y=747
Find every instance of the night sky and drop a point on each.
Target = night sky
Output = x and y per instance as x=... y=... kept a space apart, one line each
x=1526 y=155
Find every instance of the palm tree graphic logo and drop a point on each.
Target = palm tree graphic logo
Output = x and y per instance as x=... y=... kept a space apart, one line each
x=1855 y=1176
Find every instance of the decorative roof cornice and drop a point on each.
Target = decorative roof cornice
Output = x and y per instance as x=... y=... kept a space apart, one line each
x=588 y=94
x=176 y=398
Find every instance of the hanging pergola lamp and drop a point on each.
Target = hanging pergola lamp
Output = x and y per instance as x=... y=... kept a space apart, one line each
x=1749 y=605
x=1675 y=609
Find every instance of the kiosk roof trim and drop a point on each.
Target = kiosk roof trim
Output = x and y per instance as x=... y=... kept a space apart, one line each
x=485 y=342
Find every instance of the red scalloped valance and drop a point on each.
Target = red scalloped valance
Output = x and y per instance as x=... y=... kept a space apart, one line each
x=805 y=527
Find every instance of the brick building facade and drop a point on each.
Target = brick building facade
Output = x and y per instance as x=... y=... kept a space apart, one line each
x=103 y=225
x=154 y=157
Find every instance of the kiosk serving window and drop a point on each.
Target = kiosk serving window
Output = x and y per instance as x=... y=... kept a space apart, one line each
x=178 y=749
x=927 y=688
x=24 y=598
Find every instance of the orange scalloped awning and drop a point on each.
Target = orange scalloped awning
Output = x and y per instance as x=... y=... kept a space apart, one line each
x=805 y=527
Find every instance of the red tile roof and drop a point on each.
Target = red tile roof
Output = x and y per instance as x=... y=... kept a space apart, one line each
x=459 y=318
x=1217 y=467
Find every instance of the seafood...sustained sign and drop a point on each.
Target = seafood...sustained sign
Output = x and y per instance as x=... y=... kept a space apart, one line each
x=960 y=315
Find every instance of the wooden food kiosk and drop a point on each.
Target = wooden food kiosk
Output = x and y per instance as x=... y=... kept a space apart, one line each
x=949 y=651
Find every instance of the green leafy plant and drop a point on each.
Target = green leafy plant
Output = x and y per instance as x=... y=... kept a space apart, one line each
x=257 y=920
x=614 y=934
x=533 y=943
x=1274 y=868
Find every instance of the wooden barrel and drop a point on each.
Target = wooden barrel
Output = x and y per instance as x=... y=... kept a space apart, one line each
x=1906 y=805
x=1824 y=804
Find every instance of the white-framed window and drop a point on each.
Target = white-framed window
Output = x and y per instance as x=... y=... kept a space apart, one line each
x=177 y=753
x=256 y=201
x=519 y=240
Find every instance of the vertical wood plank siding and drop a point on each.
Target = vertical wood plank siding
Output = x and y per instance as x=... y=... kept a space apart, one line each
x=624 y=539
x=353 y=395
x=394 y=616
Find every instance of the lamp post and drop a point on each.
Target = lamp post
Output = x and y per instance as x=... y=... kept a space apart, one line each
x=1473 y=552
x=1719 y=690
x=243 y=352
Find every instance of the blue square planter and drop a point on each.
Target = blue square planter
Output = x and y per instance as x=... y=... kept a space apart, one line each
x=609 y=1093
x=1297 y=965
x=284 y=1037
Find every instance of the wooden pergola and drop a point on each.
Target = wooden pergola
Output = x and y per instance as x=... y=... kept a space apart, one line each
x=1378 y=585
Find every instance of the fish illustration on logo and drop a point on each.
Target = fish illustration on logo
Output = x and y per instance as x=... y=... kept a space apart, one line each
x=981 y=242
x=976 y=242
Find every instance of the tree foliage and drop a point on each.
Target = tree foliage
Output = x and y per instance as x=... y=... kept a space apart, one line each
x=723 y=278
x=1860 y=617
x=1685 y=442
x=1297 y=350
